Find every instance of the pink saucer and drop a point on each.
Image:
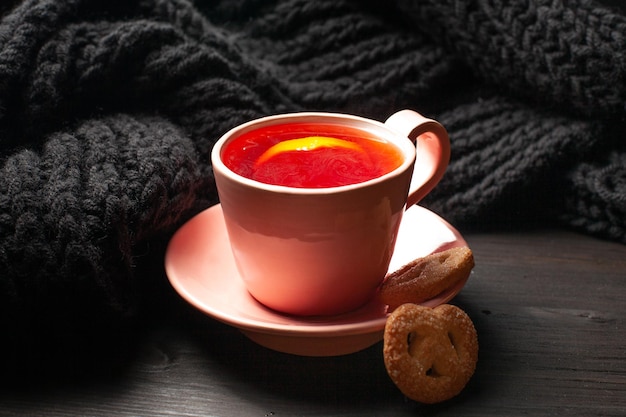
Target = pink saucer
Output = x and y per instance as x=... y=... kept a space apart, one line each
x=200 y=266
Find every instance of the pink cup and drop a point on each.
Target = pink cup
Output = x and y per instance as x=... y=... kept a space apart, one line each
x=325 y=251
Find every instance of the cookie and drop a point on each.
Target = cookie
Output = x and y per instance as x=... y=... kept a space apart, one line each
x=427 y=277
x=430 y=353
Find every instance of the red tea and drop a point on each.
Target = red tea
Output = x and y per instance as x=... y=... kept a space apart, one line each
x=310 y=155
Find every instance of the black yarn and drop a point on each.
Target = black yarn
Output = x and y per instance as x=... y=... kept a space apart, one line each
x=567 y=54
x=109 y=110
x=505 y=154
x=597 y=201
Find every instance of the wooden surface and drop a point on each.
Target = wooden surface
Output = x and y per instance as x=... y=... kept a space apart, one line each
x=550 y=311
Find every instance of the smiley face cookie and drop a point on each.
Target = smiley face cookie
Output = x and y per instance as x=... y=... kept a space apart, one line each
x=430 y=353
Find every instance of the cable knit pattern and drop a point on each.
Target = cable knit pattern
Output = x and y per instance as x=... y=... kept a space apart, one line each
x=109 y=110
x=506 y=154
x=560 y=53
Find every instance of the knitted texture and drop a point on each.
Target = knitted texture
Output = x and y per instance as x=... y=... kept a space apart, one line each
x=109 y=110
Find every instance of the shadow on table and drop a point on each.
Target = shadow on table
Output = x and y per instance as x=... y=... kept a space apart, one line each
x=357 y=381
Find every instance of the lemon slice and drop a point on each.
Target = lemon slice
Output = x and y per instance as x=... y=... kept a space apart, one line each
x=306 y=144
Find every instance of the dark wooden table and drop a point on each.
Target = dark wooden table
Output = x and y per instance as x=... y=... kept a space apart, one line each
x=549 y=307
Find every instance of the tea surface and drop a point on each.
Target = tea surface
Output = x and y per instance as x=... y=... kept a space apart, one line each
x=310 y=155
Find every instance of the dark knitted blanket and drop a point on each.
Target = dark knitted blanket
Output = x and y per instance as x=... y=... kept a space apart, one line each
x=109 y=110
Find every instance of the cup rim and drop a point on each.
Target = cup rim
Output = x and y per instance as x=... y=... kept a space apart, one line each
x=406 y=146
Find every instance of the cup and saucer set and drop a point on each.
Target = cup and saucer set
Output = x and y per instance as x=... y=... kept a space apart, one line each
x=266 y=259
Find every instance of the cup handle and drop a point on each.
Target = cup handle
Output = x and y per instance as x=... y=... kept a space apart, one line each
x=433 y=151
